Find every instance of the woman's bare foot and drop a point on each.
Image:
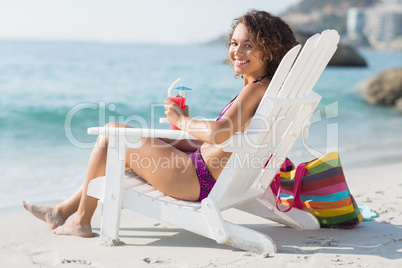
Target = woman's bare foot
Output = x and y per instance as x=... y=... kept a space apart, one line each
x=72 y=228
x=47 y=214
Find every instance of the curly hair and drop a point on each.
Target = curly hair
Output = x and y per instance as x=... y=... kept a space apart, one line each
x=270 y=34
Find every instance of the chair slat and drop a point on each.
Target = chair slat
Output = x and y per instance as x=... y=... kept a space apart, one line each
x=282 y=72
x=327 y=57
x=286 y=144
x=315 y=66
x=187 y=205
x=167 y=199
x=236 y=180
x=154 y=195
x=130 y=182
x=311 y=64
x=143 y=189
x=246 y=169
x=294 y=73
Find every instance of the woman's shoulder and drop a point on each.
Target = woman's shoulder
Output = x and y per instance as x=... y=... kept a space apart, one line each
x=250 y=96
x=253 y=91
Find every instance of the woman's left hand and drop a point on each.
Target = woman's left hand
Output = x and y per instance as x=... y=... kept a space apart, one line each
x=174 y=112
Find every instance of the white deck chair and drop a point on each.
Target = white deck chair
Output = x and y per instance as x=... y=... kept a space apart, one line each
x=279 y=120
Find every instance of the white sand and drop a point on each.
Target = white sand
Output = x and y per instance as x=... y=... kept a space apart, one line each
x=27 y=242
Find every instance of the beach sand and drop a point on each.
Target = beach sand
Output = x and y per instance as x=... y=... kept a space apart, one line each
x=27 y=242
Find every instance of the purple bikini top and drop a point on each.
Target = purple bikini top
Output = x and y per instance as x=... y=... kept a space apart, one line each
x=231 y=102
x=225 y=109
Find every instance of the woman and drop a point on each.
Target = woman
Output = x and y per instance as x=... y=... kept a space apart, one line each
x=257 y=43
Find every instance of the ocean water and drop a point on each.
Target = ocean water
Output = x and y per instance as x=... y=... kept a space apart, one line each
x=51 y=92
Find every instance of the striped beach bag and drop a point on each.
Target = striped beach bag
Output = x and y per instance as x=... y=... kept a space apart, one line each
x=319 y=187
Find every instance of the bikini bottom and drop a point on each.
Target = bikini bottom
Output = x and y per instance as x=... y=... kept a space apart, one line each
x=207 y=181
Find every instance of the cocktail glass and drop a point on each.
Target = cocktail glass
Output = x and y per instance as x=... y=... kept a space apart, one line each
x=178 y=95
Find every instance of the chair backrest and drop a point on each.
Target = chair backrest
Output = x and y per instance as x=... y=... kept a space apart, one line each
x=280 y=118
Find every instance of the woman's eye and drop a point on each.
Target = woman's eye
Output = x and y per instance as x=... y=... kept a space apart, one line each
x=248 y=46
x=233 y=44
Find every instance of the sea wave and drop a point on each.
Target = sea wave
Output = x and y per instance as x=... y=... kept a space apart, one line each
x=28 y=121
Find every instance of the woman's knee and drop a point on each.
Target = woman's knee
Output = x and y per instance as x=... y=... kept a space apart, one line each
x=114 y=124
x=103 y=140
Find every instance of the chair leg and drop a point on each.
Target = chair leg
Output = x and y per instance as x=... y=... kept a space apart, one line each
x=113 y=197
x=249 y=240
x=235 y=235
x=265 y=207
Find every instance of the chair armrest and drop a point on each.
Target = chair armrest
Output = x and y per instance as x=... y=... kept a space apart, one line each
x=140 y=133
x=243 y=142
x=165 y=121
x=250 y=141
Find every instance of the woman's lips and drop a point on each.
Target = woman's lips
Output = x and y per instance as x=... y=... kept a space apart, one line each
x=240 y=62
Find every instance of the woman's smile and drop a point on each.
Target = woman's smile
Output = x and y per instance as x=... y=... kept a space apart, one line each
x=239 y=62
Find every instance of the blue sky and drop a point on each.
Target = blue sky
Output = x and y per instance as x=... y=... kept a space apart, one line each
x=151 y=21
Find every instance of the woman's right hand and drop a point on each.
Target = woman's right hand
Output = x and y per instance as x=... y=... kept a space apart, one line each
x=174 y=113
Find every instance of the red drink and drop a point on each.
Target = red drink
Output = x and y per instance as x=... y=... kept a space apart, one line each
x=181 y=101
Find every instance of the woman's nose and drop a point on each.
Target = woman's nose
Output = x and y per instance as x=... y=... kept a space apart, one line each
x=238 y=51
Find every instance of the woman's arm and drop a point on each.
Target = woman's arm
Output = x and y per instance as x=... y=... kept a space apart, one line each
x=234 y=119
x=184 y=145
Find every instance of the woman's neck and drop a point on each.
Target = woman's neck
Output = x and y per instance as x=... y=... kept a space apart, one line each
x=249 y=79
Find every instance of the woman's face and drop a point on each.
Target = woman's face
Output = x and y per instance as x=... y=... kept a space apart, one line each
x=246 y=59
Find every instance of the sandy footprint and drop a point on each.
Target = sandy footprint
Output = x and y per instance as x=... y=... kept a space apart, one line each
x=324 y=241
x=300 y=261
x=81 y=262
x=164 y=263
x=46 y=258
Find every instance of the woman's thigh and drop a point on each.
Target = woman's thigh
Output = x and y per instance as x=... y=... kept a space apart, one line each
x=168 y=169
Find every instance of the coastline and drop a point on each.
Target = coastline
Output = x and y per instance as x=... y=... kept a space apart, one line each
x=27 y=241
x=54 y=162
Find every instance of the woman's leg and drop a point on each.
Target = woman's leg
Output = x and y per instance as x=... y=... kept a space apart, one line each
x=56 y=215
x=168 y=169
x=165 y=167
x=82 y=203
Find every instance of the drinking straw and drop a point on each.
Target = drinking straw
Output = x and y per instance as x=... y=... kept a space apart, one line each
x=170 y=89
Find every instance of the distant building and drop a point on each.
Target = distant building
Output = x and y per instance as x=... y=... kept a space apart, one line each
x=380 y=25
x=384 y=23
x=356 y=20
x=392 y=2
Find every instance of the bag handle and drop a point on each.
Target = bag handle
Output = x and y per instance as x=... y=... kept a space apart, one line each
x=301 y=171
x=287 y=165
